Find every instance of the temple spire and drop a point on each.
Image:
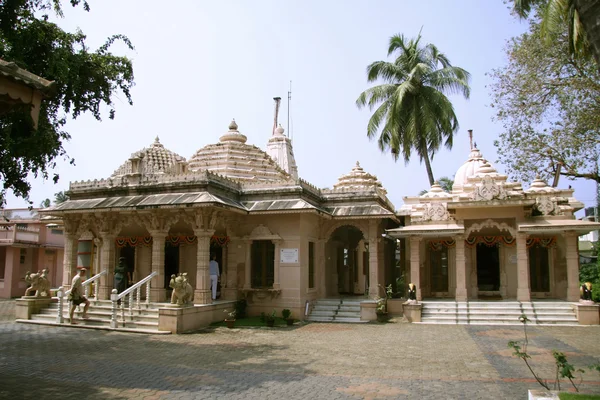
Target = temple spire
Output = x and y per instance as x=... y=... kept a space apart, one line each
x=470 y=139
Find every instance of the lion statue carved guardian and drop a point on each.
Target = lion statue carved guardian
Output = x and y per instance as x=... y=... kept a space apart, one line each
x=183 y=293
x=39 y=283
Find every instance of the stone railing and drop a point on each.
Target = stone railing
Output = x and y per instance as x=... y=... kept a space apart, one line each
x=133 y=295
x=61 y=294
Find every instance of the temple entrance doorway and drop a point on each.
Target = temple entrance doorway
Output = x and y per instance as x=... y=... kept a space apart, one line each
x=129 y=253
x=218 y=251
x=346 y=269
x=171 y=262
x=488 y=268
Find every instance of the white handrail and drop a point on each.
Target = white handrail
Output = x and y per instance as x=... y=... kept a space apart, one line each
x=86 y=285
x=134 y=293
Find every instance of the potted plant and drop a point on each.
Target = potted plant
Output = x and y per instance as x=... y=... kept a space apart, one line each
x=269 y=319
x=287 y=315
x=230 y=319
x=381 y=311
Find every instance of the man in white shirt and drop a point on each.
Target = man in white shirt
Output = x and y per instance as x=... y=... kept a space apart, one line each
x=213 y=267
x=76 y=296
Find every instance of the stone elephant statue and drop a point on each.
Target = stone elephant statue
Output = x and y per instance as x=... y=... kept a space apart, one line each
x=183 y=293
x=39 y=283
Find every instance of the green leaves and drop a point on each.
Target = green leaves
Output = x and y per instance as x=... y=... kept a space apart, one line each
x=548 y=102
x=86 y=81
x=412 y=112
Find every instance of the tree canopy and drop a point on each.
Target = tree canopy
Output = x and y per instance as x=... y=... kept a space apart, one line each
x=548 y=101
x=412 y=111
x=86 y=81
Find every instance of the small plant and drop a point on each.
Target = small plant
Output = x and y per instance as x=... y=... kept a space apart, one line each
x=563 y=368
x=240 y=308
x=286 y=313
x=230 y=314
x=269 y=318
x=381 y=306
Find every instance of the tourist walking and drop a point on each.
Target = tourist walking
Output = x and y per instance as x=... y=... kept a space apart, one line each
x=76 y=296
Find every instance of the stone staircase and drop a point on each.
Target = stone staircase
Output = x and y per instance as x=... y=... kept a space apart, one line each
x=336 y=310
x=498 y=313
x=143 y=320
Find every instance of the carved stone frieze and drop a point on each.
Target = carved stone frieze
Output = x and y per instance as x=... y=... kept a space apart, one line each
x=489 y=190
x=436 y=212
x=546 y=206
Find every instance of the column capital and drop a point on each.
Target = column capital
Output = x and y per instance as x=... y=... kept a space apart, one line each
x=204 y=233
x=459 y=237
x=417 y=239
x=107 y=235
x=276 y=241
x=158 y=233
x=570 y=234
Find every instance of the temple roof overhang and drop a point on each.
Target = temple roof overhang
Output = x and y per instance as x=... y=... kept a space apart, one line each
x=429 y=230
x=558 y=226
x=124 y=203
x=491 y=203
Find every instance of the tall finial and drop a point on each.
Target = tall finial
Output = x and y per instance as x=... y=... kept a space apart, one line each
x=277 y=102
x=470 y=139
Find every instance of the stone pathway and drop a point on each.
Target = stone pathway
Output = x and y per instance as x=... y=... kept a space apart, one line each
x=310 y=361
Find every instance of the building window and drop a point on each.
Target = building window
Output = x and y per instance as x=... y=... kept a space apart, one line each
x=56 y=231
x=311 y=265
x=263 y=264
x=539 y=270
x=438 y=260
x=22 y=255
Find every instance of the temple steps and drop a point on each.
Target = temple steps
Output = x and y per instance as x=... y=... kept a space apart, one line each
x=498 y=313
x=143 y=320
x=336 y=310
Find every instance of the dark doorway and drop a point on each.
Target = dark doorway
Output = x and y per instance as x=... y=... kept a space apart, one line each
x=488 y=268
x=539 y=269
x=129 y=253
x=171 y=263
x=218 y=251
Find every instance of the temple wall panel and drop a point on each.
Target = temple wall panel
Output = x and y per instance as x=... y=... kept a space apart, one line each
x=144 y=262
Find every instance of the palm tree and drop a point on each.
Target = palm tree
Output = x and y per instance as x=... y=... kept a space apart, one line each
x=60 y=197
x=412 y=109
x=581 y=16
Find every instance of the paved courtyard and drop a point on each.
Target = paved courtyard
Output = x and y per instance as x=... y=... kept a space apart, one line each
x=312 y=361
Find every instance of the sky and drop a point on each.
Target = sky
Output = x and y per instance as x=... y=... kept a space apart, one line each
x=198 y=64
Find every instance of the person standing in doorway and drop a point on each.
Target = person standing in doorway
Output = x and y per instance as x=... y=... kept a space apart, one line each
x=213 y=267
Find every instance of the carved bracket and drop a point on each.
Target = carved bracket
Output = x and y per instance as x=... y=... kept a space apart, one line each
x=489 y=190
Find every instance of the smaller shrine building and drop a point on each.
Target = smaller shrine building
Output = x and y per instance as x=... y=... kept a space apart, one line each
x=491 y=239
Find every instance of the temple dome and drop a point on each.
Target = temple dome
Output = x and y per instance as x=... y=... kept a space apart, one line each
x=235 y=159
x=358 y=179
x=152 y=160
x=469 y=168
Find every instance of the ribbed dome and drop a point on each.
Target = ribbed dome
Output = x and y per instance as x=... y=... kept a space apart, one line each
x=235 y=159
x=435 y=191
x=540 y=186
x=358 y=179
x=469 y=168
x=154 y=159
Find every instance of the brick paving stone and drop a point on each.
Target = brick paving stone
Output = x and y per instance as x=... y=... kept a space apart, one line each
x=308 y=361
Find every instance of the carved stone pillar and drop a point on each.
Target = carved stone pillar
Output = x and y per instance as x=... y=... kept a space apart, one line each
x=107 y=263
x=157 y=285
x=461 y=269
x=415 y=264
x=202 y=293
x=231 y=288
x=248 y=266
x=277 y=261
x=523 y=288
x=572 y=256
x=70 y=258
x=321 y=268
x=374 y=244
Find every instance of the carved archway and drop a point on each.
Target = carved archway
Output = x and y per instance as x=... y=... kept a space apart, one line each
x=490 y=223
